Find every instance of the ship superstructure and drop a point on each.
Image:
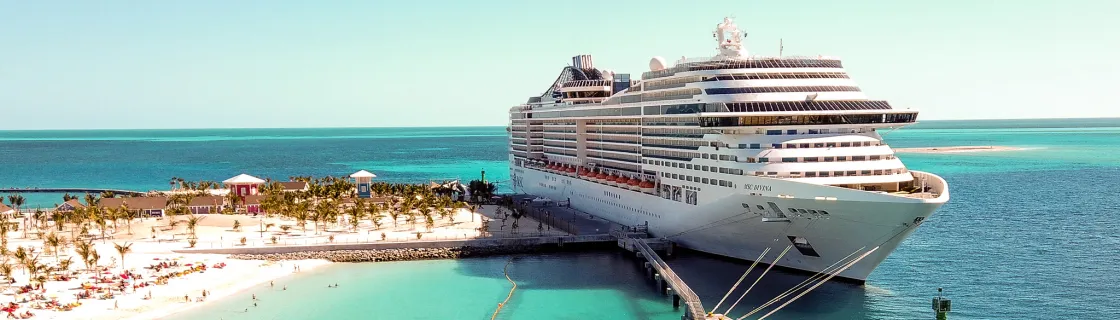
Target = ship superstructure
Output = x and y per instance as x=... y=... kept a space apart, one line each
x=729 y=154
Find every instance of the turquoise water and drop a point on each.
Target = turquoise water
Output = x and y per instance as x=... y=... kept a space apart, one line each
x=1027 y=235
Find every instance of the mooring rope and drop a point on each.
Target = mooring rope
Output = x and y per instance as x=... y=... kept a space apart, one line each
x=503 y=303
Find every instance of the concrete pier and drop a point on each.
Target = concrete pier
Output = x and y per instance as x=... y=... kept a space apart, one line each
x=666 y=280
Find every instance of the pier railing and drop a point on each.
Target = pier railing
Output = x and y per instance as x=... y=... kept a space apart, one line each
x=691 y=301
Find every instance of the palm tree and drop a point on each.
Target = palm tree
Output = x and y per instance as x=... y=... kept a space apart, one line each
x=21 y=255
x=122 y=250
x=127 y=215
x=234 y=199
x=300 y=212
x=6 y=270
x=33 y=269
x=356 y=213
x=4 y=229
x=85 y=251
x=192 y=223
x=17 y=200
x=40 y=218
x=65 y=264
x=395 y=215
x=53 y=241
x=93 y=258
x=102 y=224
x=325 y=210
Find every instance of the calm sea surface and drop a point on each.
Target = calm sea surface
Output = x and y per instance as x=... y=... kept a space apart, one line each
x=1027 y=234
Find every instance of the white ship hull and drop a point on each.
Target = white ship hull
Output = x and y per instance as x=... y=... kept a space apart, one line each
x=856 y=220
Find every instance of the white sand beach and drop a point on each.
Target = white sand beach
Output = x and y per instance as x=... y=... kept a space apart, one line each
x=152 y=242
x=958 y=149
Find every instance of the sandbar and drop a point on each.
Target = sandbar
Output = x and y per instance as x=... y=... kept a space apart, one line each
x=958 y=149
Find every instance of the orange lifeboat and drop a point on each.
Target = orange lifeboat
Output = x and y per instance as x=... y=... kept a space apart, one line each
x=647 y=186
x=632 y=184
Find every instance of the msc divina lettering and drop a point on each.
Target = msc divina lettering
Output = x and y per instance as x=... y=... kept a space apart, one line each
x=729 y=155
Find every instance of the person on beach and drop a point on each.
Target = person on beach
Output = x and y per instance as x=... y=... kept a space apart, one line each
x=254 y=297
x=271 y=284
x=186 y=298
x=285 y=287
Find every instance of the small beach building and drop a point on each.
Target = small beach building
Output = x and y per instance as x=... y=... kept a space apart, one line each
x=244 y=185
x=70 y=205
x=7 y=212
x=293 y=186
x=252 y=203
x=362 y=180
x=206 y=204
x=138 y=206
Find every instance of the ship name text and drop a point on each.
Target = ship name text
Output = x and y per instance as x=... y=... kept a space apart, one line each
x=757 y=187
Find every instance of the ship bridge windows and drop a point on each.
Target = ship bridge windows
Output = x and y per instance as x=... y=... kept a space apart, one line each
x=781 y=89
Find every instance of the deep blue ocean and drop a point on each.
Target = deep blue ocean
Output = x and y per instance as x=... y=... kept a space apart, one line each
x=1028 y=234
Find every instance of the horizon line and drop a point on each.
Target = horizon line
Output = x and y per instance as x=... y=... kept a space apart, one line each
x=450 y=126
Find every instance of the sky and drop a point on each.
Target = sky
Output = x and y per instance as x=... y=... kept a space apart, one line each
x=279 y=63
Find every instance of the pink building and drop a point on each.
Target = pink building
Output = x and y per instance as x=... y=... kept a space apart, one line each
x=243 y=185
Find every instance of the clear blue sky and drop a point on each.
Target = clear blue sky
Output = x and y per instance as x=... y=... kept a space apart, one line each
x=203 y=63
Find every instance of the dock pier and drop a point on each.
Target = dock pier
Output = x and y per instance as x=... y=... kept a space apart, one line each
x=666 y=280
x=72 y=190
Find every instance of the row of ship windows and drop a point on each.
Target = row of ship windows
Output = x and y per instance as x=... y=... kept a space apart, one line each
x=778 y=75
x=816 y=131
x=810 y=145
x=781 y=89
x=674 y=193
x=827 y=159
x=714 y=182
x=745 y=64
x=826 y=174
x=808 y=120
x=697 y=167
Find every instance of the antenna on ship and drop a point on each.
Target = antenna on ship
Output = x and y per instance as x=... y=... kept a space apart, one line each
x=781 y=47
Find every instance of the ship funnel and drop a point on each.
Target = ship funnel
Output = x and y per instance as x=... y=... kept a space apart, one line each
x=583 y=62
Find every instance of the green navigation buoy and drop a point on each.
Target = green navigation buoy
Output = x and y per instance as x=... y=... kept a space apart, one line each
x=942 y=306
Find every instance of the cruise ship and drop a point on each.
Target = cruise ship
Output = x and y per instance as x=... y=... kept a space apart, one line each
x=729 y=155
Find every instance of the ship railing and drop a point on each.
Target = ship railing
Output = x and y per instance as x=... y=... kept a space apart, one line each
x=721 y=58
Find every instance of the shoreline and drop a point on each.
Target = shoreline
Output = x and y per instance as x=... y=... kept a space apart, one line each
x=168 y=307
x=959 y=149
